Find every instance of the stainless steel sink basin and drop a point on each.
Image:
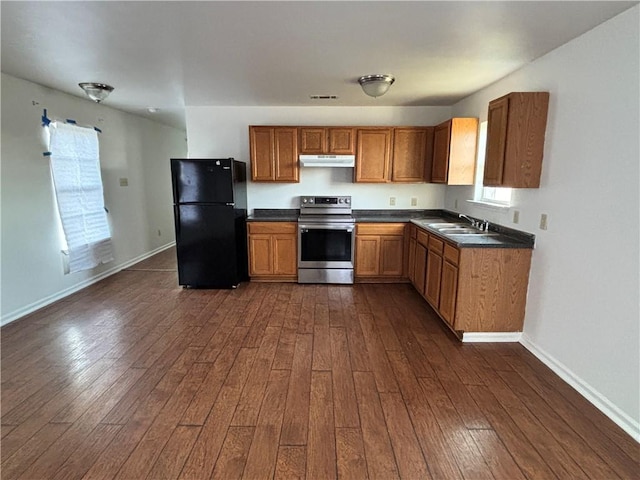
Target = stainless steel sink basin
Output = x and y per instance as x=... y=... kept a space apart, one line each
x=465 y=231
x=458 y=231
x=438 y=226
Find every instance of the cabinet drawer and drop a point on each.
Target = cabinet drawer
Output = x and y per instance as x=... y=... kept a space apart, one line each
x=451 y=254
x=271 y=227
x=380 y=228
x=423 y=238
x=436 y=245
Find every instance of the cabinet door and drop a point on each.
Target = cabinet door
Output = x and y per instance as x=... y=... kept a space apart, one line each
x=391 y=255
x=285 y=257
x=373 y=155
x=420 y=271
x=260 y=255
x=441 y=143
x=434 y=275
x=448 y=292
x=496 y=141
x=411 y=263
x=261 y=141
x=341 y=141
x=367 y=255
x=313 y=141
x=286 y=155
x=409 y=155
x=463 y=147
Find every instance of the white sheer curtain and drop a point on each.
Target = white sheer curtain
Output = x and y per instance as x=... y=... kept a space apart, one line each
x=75 y=166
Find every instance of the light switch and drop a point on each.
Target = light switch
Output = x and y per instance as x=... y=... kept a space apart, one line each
x=124 y=182
x=543 y=221
x=392 y=201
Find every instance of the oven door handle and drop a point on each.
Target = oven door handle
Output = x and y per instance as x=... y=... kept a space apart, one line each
x=305 y=228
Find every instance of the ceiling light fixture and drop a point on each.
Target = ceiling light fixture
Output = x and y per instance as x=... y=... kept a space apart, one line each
x=376 y=85
x=96 y=91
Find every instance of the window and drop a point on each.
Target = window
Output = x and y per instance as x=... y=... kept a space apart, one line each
x=499 y=196
x=75 y=167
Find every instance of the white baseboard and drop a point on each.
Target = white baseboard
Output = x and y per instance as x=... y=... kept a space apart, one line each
x=602 y=403
x=469 y=337
x=21 y=312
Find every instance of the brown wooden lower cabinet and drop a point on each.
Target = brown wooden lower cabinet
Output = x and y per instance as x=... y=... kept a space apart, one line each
x=273 y=248
x=434 y=274
x=379 y=252
x=471 y=289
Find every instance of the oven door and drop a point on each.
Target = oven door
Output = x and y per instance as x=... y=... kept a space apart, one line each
x=325 y=245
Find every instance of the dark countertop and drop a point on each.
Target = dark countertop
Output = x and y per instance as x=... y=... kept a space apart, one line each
x=390 y=216
x=499 y=236
x=274 y=215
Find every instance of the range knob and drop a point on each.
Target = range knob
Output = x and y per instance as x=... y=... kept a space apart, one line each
x=347 y=200
x=341 y=200
x=304 y=200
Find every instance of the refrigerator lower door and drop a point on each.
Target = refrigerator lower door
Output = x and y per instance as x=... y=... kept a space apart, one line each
x=207 y=246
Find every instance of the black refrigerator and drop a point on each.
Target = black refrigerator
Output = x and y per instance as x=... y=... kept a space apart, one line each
x=210 y=210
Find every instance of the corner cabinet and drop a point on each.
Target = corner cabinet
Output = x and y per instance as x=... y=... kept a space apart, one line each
x=273 y=248
x=379 y=255
x=329 y=140
x=274 y=154
x=515 y=140
x=454 y=151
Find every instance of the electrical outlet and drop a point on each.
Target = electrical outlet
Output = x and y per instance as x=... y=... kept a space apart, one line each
x=543 y=221
x=516 y=216
x=124 y=182
x=392 y=201
x=414 y=201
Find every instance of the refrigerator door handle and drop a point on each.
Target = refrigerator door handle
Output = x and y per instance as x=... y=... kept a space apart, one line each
x=176 y=211
x=230 y=204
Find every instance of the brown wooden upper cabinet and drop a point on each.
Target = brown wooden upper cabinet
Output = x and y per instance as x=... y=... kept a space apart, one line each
x=393 y=154
x=515 y=140
x=274 y=154
x=454 y=151
x=373 y=154
x=412 y=152
x=331 y=140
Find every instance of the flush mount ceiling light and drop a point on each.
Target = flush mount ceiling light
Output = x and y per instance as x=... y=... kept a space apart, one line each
x=376 y=85
x=96 y=91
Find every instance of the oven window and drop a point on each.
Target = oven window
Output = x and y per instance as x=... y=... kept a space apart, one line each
x=318 y=245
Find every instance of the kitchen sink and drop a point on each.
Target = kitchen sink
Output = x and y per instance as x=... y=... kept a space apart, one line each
x=438 y=226
x=464 y=231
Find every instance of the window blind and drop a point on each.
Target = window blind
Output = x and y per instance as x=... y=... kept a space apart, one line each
x=75 y=166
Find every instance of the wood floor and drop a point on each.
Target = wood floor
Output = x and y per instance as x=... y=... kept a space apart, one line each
x=137 y=378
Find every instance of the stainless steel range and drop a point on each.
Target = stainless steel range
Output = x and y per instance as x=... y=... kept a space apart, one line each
x=326 y=240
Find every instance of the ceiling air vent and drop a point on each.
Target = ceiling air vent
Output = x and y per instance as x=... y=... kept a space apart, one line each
x=323 y=97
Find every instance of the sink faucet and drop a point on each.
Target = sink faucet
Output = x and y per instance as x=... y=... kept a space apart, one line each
x=474 y=222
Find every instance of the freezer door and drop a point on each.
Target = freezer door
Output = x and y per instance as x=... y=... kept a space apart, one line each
x=207 y=246
x=202 y=180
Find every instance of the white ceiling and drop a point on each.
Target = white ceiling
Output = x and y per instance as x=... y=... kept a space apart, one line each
x=170 y=55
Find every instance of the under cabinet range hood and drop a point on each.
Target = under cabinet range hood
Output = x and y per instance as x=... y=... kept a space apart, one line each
x=327 y=160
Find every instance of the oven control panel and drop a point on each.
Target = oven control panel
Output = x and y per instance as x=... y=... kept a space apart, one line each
x=323 y=202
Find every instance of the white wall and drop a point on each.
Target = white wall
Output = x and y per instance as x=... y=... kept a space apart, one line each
x=224 y=132
x=584 y=293
x=130 y=146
